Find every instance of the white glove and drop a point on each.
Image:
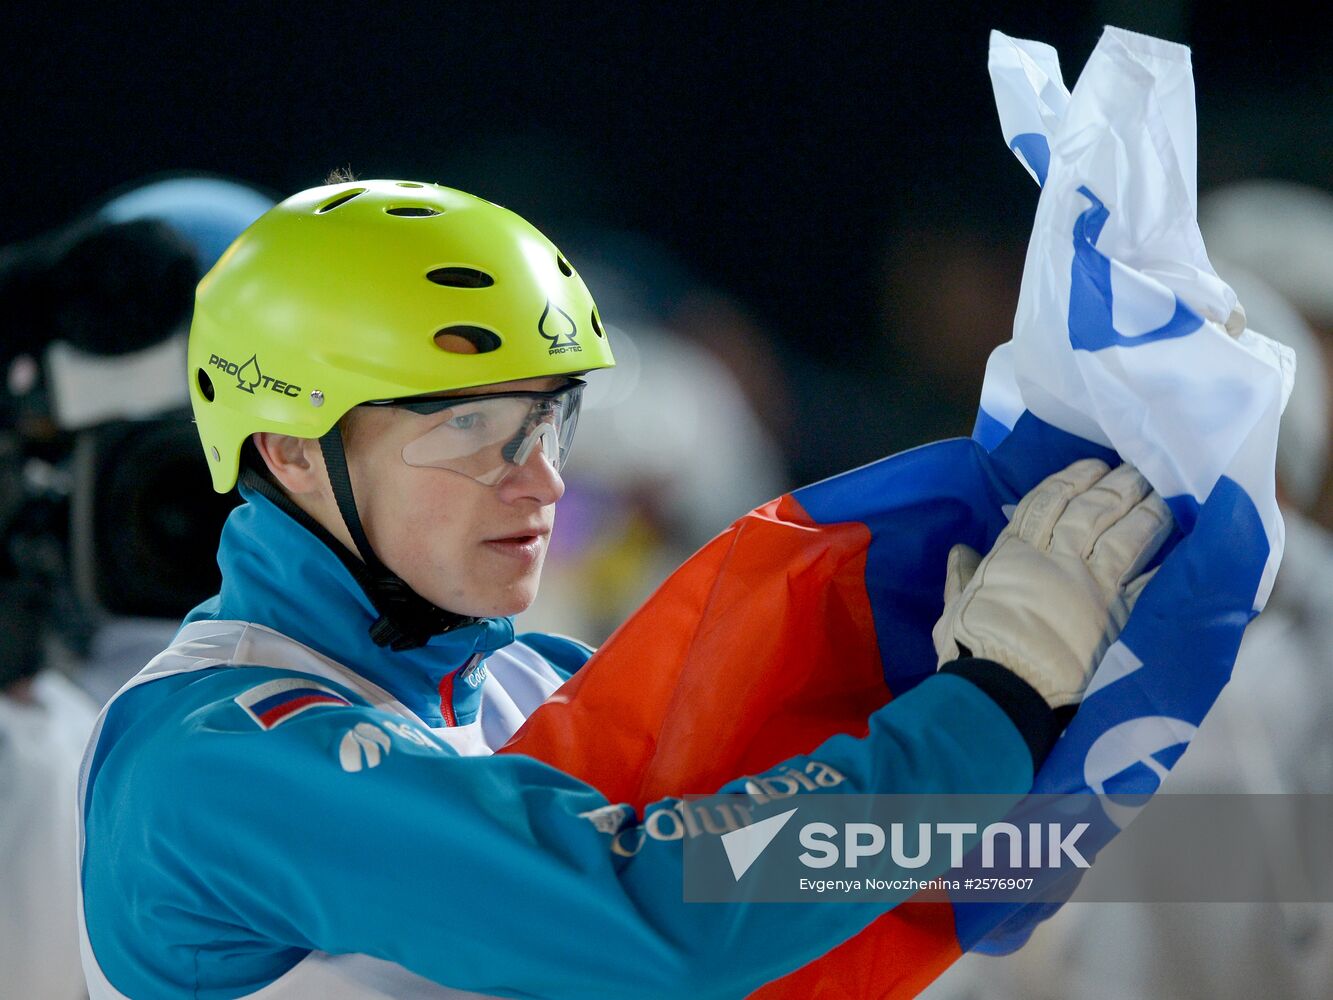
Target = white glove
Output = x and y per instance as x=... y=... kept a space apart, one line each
x=1054 y=592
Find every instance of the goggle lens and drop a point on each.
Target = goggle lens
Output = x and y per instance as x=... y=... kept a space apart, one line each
x=490 y=437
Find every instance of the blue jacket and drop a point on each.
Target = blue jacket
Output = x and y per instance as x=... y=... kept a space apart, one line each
x=279 y=803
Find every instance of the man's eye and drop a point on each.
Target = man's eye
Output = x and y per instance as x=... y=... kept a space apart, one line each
x=465 y=422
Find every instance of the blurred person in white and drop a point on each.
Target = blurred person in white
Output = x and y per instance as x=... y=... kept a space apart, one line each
x=1271 y=730
x=90 y=363
x=44 y=722
x=643 y=492
x=1283 y=233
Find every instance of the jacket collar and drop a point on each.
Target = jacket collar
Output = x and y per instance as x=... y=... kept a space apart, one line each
x=276 y=573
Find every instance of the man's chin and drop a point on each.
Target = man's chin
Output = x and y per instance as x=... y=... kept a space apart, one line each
x=519 y=599
x=512 y=600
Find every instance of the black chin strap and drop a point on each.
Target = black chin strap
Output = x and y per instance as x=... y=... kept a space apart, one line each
x=407 y=620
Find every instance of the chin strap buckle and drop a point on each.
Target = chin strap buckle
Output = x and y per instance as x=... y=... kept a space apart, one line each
x=407 y=620
x=385 y=632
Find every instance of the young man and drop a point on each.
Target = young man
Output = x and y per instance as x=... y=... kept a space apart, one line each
x=298 y=798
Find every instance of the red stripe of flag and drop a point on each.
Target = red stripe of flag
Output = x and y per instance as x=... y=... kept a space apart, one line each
x=279 y=712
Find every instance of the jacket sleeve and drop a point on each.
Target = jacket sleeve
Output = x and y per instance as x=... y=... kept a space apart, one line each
x=348 y=830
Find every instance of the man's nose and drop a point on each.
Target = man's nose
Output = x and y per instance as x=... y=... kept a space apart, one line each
x=536 y=479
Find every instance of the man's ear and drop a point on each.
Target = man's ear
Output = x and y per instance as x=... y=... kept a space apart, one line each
x=296 y=463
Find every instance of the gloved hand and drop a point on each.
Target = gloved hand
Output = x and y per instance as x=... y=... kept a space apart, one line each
x=1054 y=592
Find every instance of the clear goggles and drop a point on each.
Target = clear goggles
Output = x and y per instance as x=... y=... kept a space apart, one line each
x=490 y=437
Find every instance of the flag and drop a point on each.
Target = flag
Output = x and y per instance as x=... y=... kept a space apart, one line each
x=816 y=609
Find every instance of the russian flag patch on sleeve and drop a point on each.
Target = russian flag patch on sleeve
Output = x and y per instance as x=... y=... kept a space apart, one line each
x=275 y=702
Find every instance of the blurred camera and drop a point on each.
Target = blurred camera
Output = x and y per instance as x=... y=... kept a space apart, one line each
x=105 y=501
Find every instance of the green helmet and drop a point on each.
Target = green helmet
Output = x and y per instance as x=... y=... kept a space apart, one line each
x=376 y=290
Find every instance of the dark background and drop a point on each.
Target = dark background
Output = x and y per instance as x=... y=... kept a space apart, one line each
x=781 y=153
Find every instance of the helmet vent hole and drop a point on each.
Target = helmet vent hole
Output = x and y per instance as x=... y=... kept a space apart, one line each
x=466 y=340
x=597 y=324
x=412 y=212
x=461 y=277
x=565 y=269
x=205 y=385
x=407 y=184
x=342 y=199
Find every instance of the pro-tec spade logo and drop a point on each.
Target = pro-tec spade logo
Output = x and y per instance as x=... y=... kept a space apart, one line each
x=559 y=328
x=249 y=377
